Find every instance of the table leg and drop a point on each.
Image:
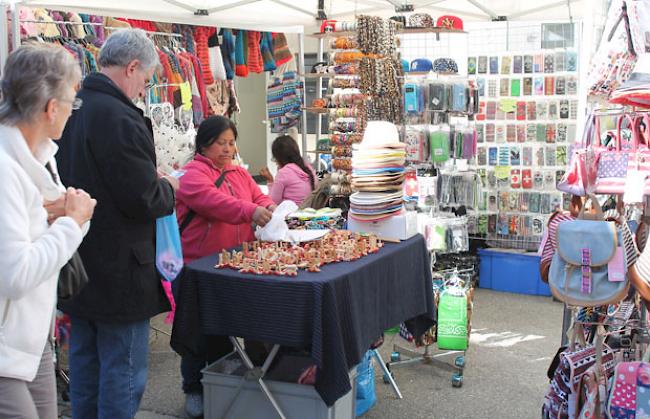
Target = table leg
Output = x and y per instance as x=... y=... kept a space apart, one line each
x=255 y=374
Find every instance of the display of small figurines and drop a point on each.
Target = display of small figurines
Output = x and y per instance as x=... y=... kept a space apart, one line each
x=286 y=259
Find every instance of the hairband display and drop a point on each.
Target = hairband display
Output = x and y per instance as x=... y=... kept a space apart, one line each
x=344 y=42
x=376 y=35
x=345 y=83
x=345 y=57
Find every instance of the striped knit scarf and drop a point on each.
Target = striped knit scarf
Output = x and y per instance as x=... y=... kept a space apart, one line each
x=228 y=53
x=266 y=45
x=241 y=54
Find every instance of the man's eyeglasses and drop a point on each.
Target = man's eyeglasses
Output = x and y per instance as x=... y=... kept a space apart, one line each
x=76 y=103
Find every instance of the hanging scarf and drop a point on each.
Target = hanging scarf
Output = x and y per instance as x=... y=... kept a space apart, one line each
x=266 y=46
x=241 y=54
x=228 y=53
x=255 y=61
x=281 y=50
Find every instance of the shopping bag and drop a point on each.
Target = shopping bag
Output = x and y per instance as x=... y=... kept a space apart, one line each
x=169 y=253
x=452 y=319
x=366 y=397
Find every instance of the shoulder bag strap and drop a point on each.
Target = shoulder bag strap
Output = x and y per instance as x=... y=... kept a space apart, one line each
x=191 y=213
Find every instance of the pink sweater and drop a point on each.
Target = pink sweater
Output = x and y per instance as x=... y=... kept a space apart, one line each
x=291 y=184
x=224 y=215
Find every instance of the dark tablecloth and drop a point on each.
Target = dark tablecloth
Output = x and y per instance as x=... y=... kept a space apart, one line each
x=339 y=311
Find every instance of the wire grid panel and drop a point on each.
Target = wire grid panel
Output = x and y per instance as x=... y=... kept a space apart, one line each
x=432 y=46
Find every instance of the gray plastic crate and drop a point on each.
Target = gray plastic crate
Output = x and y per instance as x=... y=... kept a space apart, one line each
x=221 y=380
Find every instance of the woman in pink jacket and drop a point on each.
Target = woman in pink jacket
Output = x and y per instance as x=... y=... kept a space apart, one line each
x=295 y=179
x=225 y=201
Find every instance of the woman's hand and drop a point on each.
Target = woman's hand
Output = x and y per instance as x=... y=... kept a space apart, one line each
x=55 y=209
x=79 y=205
x=266 y=174
x=262 y=216
x=272 y=207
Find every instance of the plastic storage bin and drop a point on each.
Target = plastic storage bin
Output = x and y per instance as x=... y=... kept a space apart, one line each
x=511 y=272
x=222 y=378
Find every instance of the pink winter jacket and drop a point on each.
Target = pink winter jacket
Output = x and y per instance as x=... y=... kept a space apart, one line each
x=291 y=184
x=224 y=215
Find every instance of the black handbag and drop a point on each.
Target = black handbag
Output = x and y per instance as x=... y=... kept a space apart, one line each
x=72 y=279
x=73 y=276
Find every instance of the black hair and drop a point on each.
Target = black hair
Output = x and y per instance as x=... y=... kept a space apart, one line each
x=210 y=129
x=285 y=150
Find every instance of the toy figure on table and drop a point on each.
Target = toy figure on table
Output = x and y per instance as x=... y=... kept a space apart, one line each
x=285 y=259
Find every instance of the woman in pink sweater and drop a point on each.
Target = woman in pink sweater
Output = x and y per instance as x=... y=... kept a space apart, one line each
x=225 y=200
x=295 y=179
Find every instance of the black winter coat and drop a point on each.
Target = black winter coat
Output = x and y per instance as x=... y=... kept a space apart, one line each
x=107 y=149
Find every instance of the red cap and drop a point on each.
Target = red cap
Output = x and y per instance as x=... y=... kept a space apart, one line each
x=450 y=22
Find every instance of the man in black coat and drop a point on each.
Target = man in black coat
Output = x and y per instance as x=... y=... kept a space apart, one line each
x=107 y=149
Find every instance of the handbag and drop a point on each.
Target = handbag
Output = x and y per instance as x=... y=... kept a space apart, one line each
x=630 y=392
x=574 y=364
x=581 y=176
x=72 y=279
x=72 y=276
x=589 y=266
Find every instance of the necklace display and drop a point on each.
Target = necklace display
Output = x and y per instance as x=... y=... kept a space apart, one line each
x=285 y=259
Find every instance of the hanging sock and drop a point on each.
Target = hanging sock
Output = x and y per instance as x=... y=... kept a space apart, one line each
x=241 y=54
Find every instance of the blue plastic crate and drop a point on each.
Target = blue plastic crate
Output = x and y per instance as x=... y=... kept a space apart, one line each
x=511 y=272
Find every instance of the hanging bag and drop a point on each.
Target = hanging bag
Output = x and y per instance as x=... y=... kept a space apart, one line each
x=581 y=175
x=169 y=253
x=589 y=266
x=452 y=319
x=630 y=392
x=613 y=162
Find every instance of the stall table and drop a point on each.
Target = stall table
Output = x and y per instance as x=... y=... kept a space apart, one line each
x=338 y=312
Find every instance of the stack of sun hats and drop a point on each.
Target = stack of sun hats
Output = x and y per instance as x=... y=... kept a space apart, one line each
x=377 y=173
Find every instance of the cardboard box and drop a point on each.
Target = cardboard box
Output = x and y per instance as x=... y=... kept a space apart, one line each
x=399 y=227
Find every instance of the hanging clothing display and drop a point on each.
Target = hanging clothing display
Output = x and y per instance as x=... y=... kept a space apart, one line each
x=284 y=100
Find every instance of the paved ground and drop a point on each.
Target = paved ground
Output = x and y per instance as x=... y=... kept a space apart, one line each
x=513 y=340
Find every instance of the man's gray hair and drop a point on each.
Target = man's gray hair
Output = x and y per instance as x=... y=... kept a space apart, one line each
x=33 y=75
x=126 y=45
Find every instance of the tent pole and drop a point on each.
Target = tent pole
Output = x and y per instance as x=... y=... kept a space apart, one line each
x=482 y=8
x=15 y=26
x=231 y=6
x=296 y=8
x=181 y=5
x=4 y=36
x=537 y=9
x=301 y=69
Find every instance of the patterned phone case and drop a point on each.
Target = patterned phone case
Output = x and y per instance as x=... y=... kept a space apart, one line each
x=517 y=64
x=531 y=111
x=515 y=156
x=561 y=133
x=549 y=63
x=539 y=86
x=528 y=86
x=471 y=65
x=482 y=65
x=528 y=64
x=521 y=133
x=511 y=134
x=492 y=88
x=480 y=133
x=500 y=134
x=527 y=156
x=564 y=109
x=506 y=63
x=504 y=87
x=549 y=85
x=531 y=132
x=494 y=65
x=560 y=61
x=553 y=110
x=490 y=133
x=551 y=133
x=541 y=133
x=560 y=86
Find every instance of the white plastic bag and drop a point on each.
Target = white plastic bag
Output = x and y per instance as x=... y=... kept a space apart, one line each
x=277 y=229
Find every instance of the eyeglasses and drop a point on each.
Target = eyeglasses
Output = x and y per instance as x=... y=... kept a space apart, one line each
x=76 y=103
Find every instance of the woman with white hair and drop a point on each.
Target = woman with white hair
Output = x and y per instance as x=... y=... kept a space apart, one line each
x=40 y=223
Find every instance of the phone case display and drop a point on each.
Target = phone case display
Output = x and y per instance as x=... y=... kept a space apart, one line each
x=526 y=123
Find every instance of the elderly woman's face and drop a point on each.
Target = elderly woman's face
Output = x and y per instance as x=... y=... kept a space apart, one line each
x=59 y=109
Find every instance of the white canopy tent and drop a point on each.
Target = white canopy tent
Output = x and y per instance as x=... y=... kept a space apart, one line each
x=300 y=16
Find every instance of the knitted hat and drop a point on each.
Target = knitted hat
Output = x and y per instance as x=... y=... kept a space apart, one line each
x=241 y=54
x=281 y=50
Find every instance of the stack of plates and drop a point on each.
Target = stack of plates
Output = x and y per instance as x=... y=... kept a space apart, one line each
x=377 y=177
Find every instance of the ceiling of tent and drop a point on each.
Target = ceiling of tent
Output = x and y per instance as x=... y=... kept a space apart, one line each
x=293 y=16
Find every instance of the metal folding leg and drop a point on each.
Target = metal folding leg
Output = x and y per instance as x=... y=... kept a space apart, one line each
x=376 y=354
x=255 y=374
